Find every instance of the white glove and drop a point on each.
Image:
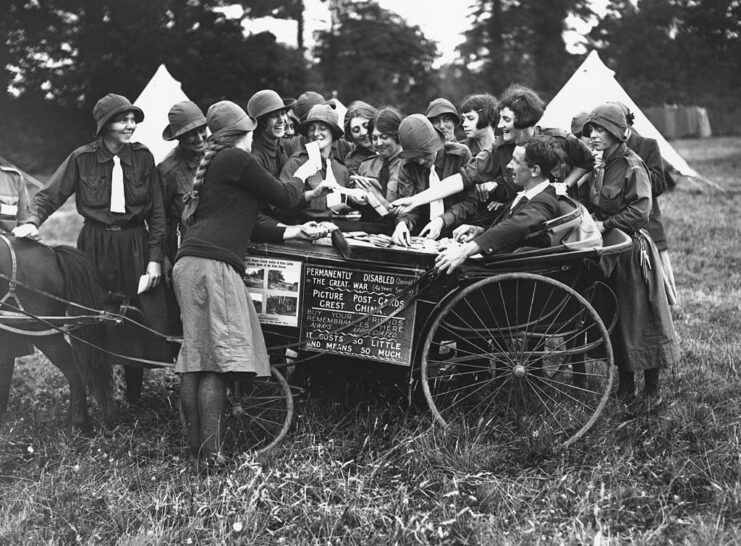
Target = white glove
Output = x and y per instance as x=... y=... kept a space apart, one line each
x=29 y=231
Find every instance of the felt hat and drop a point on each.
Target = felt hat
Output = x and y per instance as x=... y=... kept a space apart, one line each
x=266 y=102
x=112 y=105
x=611 y=117
x=629 y=116
x=225 y=117
x=418 y=137
x=323 y=113
x=305 y=102
x=442 y=106
x=183 y=117
x=577 y=123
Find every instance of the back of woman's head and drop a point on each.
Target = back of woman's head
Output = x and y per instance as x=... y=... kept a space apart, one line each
x=387 y=121
x=485 y=105
x=214 y=144
x=525 y=104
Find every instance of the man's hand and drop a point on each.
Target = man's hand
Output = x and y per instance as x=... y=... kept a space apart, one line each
x=466 y=233
x=453 y=256
x=28 y=231
x=433 y=229
x=401 y=235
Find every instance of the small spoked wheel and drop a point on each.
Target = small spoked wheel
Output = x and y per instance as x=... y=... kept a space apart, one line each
x=260 y=413
x=518 y=357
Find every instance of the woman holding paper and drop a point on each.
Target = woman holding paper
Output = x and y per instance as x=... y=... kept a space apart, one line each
x=321 y=129
x=221 y=332
x=380 y=174
x=117 y=191
x=428 y=161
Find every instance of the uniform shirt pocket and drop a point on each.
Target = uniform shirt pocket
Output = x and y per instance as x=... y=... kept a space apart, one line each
x=94 y=191
x=137 y=187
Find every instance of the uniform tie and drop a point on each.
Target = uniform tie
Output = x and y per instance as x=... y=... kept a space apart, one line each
x=118 y=201
x=437 y=207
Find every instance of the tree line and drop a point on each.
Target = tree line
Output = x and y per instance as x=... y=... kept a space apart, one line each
x=60 y=56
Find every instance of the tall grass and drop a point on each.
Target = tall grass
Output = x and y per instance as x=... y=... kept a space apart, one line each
x=361 y=467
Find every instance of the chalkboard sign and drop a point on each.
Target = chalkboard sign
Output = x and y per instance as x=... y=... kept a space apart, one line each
x=334 y=297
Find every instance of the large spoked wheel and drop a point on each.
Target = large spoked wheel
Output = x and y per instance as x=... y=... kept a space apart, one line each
x=518 y=357
x=260 y=414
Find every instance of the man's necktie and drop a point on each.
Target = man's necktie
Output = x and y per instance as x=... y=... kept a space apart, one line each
x=118 y=200
x=437 y=207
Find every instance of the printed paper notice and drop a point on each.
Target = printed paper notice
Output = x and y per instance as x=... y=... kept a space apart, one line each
x=275 y=288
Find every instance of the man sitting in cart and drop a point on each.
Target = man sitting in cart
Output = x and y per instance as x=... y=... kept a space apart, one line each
x=532 y=161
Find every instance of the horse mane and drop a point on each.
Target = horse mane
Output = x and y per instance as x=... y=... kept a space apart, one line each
x=83 y=286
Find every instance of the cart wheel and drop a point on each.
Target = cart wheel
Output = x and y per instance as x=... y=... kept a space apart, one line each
x=260 y=414
x=518 y=356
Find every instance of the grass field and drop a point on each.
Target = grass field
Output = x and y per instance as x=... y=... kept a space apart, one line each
x=363 y=469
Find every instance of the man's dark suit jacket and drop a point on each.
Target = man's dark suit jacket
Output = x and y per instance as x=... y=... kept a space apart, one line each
x=511 y=227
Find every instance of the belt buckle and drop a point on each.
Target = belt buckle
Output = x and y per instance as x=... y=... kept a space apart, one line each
x=114 y=227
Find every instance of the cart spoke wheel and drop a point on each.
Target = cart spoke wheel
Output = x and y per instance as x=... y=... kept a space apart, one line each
x=260 y=413
x=518 y=357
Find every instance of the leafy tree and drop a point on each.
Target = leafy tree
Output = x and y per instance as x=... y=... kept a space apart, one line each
x=62 y=55
x=677 y=51
x=514 y=41
x=374 y=55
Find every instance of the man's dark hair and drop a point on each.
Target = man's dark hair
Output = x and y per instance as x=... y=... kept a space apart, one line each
x=541 y=151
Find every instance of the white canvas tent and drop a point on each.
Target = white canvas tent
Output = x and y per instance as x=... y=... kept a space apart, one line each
x=593 y=84
x=155 y=100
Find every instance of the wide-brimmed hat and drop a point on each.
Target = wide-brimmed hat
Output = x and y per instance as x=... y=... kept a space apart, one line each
x=611 y=117
x=442 y=106
x=418 y=137
x=225 y=117
x=266 y=102
x=112 y=105
x=183 y=117
x=323 y=113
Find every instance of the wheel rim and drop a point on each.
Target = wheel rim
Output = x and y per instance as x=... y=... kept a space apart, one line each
x=260 y=413
x=518 y=357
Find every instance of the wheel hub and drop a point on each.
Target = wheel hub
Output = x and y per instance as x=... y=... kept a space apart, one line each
x=519 y=371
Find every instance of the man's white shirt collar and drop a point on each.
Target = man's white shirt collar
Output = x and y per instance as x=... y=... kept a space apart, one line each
x=532 y=192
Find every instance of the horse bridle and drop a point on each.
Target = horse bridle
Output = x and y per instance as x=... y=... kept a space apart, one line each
x=12 y=282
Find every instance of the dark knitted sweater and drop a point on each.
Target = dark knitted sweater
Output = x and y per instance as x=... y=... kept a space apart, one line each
x=230 y=197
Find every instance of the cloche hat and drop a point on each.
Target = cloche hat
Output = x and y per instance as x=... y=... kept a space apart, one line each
x=418 y=137
x=323 y=113
x=441 y=106
x=225 y=117
x=265 y=102
x=112 y=105
x=183 y=117
x=611 y=117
